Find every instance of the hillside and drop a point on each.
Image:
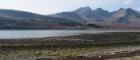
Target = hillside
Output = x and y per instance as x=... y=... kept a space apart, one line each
x=12 y=19
x=122 y=18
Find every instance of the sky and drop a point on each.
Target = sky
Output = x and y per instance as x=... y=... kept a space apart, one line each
x=55 y=6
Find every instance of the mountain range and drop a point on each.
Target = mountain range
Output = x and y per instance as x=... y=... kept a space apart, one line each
x=82 y=18
x=122 y=18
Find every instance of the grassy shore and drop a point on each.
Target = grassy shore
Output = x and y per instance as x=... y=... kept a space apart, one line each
x=80 y=45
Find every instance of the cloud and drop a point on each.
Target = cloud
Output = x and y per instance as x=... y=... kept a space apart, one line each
x=126 y=2
x=138 y=8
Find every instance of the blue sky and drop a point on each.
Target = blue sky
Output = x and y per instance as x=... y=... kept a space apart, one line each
x=54 y=6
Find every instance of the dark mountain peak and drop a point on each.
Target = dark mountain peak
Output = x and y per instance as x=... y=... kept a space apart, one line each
x=121 y=12
x=127 y=10
x=99 y=9
x=121 y=9
x=101 y=13
x=84 y=10
x=130 y=11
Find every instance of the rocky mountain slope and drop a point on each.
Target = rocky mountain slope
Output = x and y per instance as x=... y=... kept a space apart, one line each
x=122 y=18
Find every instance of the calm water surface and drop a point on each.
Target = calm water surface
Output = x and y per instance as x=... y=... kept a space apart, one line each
x=15 y=34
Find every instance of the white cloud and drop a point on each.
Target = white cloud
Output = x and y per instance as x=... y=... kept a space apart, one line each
x=126 y=2
x=138 y=8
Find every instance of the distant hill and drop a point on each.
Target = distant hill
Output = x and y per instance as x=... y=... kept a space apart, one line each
x=122 y=18
x=12 y=19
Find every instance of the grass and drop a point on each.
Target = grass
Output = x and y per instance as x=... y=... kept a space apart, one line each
x=49 y=52
x=44 y=52
x=85 y=45
x=134 y=58
x=69 y=51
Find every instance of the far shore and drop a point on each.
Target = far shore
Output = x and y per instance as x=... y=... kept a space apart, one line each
x=90 y=39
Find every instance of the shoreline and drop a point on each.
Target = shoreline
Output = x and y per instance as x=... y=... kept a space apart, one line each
x=93 y=39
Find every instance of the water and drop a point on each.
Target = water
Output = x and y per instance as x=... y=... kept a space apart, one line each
x=17 y=34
